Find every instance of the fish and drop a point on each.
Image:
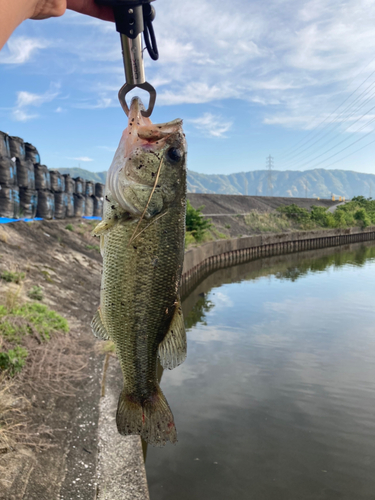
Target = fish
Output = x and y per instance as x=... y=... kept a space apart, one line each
x=142 y=236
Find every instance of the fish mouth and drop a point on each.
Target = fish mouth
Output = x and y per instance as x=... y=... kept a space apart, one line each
x=142 y=135
x=143 y=127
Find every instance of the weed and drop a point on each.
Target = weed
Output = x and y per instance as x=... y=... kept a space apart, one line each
x=3 y=236
x=12 y=277
x=218 y=234
x=30 y=319
x=108 y=347
x=47 y=276
x=227 y=226
x=36 y=293
x=69 y=227
x=93 y=247
x=10 y=411
x=267 y=222
x=12 y=298
x=13 y=360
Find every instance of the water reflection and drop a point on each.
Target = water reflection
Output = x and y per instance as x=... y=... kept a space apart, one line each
x=276 y=398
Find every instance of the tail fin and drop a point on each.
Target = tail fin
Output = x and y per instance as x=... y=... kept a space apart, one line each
x=152 y=420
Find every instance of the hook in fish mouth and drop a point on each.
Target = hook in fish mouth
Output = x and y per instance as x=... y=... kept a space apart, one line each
x=125 y=89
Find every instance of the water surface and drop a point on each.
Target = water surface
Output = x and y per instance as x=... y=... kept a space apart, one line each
x=276 y=398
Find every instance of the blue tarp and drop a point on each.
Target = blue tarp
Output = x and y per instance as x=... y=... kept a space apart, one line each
x=5 y=220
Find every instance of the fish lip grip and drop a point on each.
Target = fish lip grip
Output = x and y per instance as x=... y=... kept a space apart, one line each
x=134 y=17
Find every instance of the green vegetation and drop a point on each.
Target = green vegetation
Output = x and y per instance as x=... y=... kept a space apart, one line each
x=69 y=227
x=12 y=277
x=196 y=225
x=36 y=293
x=268 y=222
x=358 y=212
x=13 y=361
x=93 y=247
x=17 y=323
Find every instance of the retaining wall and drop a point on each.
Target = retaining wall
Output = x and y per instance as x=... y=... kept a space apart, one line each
x=200 y=261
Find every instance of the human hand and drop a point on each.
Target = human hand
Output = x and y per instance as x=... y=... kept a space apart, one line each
x=54 y=8
x=90 y=8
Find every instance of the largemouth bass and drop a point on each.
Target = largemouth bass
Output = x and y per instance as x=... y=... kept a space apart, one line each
x=142 y=244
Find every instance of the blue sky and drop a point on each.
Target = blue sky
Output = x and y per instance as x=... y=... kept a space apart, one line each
x=249 y=79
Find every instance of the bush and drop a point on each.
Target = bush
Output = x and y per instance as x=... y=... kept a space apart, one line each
x=196 y=224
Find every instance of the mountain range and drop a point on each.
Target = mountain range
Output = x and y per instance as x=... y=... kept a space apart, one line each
x=288 y=183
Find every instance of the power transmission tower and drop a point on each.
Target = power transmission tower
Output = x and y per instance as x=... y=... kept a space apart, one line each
x=269 y=175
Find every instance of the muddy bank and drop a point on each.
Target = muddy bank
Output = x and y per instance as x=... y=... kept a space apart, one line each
x=62 y=414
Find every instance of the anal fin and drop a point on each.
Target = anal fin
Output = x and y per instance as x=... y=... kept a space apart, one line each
x=97 y=327
x=172 y=350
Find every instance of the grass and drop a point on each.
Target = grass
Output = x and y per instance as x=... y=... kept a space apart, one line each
x=10 y=411
x=69 y=227
x=36 y=293
x=30 y=319
x=20 y=322
x=359 y=212
x=12 y=277
x=268 y=222
x=93 y=247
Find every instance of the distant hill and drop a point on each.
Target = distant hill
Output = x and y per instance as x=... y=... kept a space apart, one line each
x=85 y=174
x=310 y=183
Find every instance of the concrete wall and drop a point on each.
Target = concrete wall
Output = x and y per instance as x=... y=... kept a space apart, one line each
x=202 y=260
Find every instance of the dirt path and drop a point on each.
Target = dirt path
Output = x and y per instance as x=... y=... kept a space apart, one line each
x=64 y=406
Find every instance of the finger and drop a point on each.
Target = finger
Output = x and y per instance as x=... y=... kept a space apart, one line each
x=90 y=8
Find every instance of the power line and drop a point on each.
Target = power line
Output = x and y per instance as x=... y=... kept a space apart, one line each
x=338 y=144
x=334 y=111
x=355 y=142
x=350 y=154
x=340 y=123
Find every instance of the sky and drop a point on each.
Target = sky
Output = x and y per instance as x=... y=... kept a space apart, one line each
x=294 y=79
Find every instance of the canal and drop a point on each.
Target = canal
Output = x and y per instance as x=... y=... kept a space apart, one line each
x=276 y=398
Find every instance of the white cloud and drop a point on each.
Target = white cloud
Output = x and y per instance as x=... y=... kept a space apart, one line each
x=81 y=158
x=101 y=103
x=20 y=49
x=212 y=125
x=26 y=99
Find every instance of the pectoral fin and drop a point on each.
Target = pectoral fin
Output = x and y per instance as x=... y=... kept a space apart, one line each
x=172 y=350
x=104 y=226
x=98 y=328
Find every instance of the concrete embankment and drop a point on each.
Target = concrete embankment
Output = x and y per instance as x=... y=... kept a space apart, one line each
x=201 y=260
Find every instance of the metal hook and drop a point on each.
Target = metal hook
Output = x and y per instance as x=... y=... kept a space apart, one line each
x=125 y=89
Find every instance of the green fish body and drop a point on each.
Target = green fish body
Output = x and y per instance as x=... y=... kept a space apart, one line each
x=142 y=244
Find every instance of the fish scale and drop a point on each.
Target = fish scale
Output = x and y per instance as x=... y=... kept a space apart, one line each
x=143 y=255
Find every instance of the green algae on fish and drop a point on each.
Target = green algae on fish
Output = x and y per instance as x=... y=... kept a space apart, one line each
x=142 y=244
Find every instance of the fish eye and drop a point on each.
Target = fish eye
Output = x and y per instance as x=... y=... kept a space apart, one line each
x=174 y=155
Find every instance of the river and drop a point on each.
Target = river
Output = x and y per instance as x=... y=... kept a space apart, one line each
x=276 y=398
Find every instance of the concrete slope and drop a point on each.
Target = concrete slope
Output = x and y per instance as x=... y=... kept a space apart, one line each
x=237 y=204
